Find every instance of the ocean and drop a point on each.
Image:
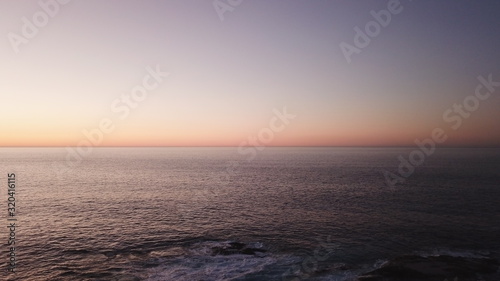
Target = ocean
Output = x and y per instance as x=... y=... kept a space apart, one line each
x=214 y=214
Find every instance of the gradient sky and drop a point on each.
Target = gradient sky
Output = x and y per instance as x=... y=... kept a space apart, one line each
x=226 y=77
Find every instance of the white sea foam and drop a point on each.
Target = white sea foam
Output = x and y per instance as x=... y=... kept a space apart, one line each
x=454 y=253
x=200 y=264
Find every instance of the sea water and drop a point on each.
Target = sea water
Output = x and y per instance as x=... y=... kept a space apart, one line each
x=311 y=213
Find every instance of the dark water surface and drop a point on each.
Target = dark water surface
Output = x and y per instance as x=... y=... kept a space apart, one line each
x=158 y=213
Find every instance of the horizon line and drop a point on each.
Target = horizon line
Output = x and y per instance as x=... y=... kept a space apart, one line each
x=270 y=146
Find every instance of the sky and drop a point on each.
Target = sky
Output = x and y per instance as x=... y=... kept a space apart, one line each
x=243 y=72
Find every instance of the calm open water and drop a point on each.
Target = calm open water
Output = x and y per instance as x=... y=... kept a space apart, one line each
x=157 y=213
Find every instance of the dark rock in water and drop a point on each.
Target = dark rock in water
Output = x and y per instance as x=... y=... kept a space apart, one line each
x=435 y=268
x=110 y=254
x=237 y=248
x=343 y=266
x=252 y=251
x=237 y=245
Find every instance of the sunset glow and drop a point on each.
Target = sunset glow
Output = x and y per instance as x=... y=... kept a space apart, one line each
x=216 y=83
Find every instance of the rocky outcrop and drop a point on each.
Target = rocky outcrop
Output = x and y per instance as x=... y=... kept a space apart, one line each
x=435 y=268
x=235 y=248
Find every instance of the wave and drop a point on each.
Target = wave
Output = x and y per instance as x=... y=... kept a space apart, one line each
x=230 y=260
x=213 y=260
